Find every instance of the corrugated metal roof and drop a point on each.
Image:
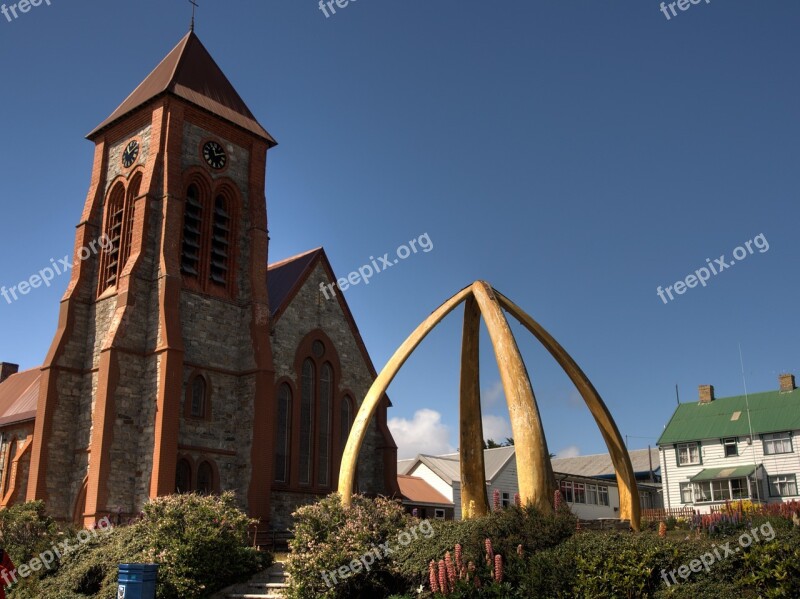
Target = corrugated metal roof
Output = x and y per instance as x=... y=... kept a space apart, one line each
x=723 y=473
x=417 y=490
x=601 y=465
x=19 y=396
x=189 y=72
x=448 y=466
x=770 y=412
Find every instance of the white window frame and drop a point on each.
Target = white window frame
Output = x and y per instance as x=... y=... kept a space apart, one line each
x=777 y=480
x=566 y=491
x=708 y=491
x=687 y=487
x=579 y=491
x=777 y=443
x=730 y=442
x=602 y=493
x=688 y=447
x=506 y=499
x=592 y=497
x=438 y=513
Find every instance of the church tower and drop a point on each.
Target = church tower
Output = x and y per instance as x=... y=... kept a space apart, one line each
x=161 y=377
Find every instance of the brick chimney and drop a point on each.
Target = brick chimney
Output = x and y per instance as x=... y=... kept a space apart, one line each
x=787 y=383
x=706 y=393
x=6 y=370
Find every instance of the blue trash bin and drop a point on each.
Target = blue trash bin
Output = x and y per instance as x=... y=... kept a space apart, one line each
x=137 y=581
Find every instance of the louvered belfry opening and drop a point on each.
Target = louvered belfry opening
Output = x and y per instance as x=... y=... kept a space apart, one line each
x=192 y=233
x=220 y=243
x=115 y=213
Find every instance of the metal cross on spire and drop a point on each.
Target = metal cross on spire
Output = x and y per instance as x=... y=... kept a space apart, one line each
x=194 y=8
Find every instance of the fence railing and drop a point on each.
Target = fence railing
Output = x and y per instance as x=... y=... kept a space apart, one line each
x=658 y=514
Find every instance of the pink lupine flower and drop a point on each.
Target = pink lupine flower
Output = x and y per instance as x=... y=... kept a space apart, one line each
x=496 y=499
x=519 y=550
x=558 y=501
x=443 y=588
x=489 y=552
x=451 y=569
x=459 y=560
x=498 y=568
x=517 y=500
x=433 y=578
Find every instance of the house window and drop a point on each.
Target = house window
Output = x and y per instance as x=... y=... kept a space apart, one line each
x=591 y=494
x=731 y=450
x=438 y=514
x=192 y=232
x=306 y=420
x=688 y=454
x=776 y=443
x=199 y=393
x=603 y=493
x=506 y=501
x=324 y=415
x=783 y=485
x=183 y=477
x=580 y=493
x=721 y=490
x=739 y=488
x=566 y=490
x=205 y=479
x=283 y=434
x=687 y=494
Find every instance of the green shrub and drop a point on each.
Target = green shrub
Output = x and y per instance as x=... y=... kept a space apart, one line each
x=328 y=536
x=200 y=544
x=507 y=528
x=26 y=530
x=774 y=567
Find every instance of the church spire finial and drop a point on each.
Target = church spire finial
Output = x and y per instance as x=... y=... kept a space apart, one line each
x=194 y=7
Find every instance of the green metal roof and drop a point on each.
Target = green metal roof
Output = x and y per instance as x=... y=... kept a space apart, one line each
x=770 y=412
x=723 y=473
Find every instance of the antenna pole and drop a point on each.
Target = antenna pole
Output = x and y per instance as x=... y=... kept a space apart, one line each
x=750 y=425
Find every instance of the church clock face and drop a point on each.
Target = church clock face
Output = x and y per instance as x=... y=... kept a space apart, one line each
x=215 y=155
x=130 y=154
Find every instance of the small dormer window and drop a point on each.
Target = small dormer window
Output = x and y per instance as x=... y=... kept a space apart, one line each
x=731 y=448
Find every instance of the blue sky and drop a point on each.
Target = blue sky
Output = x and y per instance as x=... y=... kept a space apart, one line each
x=577 y=155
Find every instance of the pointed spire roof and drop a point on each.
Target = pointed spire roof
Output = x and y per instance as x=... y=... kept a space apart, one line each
x=189 y=72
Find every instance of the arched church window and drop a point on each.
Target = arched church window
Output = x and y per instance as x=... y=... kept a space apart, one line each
x=283 y=434
x=192 y=233
x=183 y=477
x=345 y=421
x=205 y=478
x=324 y=414
x=220 y=243
x=127 y=228
x=199 y=397
x=114 y=221
x=307 y=395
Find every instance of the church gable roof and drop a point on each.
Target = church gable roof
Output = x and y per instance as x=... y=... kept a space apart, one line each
x=189 y=72
x=19 y=395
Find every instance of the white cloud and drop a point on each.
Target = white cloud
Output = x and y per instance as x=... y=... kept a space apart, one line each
x=571 y=451
x=497 y=428
x=425 y=433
